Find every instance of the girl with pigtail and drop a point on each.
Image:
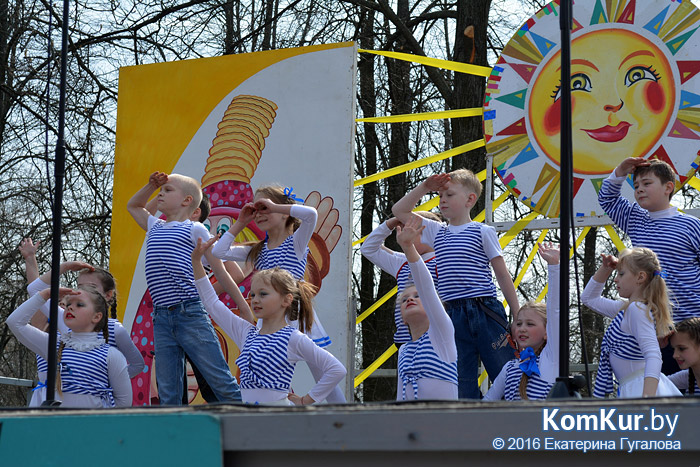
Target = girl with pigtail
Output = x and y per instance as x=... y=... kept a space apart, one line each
x=88 y=275
x=630 y=348
x=536 y=335
x=91 y=373
x=269 y=353
x=686 y=350
x=288 y=228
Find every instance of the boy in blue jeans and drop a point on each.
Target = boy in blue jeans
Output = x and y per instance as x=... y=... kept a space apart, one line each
x=466 y=251
x=180 y=323
x=653 y=223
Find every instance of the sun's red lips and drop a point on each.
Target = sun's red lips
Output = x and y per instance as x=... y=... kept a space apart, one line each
x=609 y=134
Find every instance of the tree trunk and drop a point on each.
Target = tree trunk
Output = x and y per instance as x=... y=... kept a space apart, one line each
x=472 y=19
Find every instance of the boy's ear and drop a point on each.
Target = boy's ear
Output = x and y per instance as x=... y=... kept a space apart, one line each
x=668 y=188
x=471 y=199
x=188 y=200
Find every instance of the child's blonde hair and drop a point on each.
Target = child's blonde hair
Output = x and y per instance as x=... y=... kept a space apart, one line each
x=190 y=187
x=302 y=295
x=541 y=309
x=691 y=327
x=467 y=179
x=654 y=293
x=276 y=194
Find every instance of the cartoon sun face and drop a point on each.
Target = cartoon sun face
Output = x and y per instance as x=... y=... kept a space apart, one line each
x=622 y=96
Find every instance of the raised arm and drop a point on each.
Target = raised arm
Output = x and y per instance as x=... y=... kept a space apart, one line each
x=592 y=294
x=550 y=253
x=302 y=236
x=374 y=250
x=404 y=207
x=27 y=249
x=223 y=248
x=505 y=282
x=137 y=204
x=231 y=324
x=441 y=329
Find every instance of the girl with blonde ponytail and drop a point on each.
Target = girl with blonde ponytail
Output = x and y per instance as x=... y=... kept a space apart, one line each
x=630 y=348
x=269 y=353
x=536 y=334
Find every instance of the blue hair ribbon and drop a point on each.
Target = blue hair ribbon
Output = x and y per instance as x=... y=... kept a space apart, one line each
x=289 y=193
x=661 y=273
x=528 y=362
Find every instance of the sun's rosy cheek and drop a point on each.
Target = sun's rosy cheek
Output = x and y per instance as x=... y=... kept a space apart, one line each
x=654 y=97
x=552 y=118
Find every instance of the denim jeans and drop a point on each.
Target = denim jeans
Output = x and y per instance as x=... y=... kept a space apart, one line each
x=478 y=335
x=186 y=327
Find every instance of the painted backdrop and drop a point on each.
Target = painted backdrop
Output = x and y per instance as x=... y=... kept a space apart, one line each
x=235 y=123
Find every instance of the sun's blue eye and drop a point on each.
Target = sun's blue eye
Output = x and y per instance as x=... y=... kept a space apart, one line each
x=639 y=73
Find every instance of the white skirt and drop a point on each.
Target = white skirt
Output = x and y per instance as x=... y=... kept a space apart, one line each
x=633 y=386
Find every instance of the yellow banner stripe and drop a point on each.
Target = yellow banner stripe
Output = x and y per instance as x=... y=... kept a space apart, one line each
x=458 y=113
x=481 y=217
x=376 y=305
x=376 y=364
x=420 y=162
x=579 y=239
x=516 y=229
x=436 y=62
x=694 y=182
x=482 y=377
x=615 y=238
x=530 y=258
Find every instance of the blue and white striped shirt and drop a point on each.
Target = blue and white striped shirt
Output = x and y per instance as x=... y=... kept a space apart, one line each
x=283 y=257
x=615 y=342
x=263 y=360
x=169 y=273
x=463 y=258
x=537 y=387
x=418 y=360
x=86 y=372
x=674 y=237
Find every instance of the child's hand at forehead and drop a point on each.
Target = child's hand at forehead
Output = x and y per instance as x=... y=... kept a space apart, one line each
x=264 y=206
x=437 y=182
x=75 y=266
x=629 y=165
x=609 y=261
x=247 y=214
x=158 y=179
x=63 y=292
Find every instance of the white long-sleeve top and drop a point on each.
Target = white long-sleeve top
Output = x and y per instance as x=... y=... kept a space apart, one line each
x=441 y=333
x=38 y=341
x=549 y=357
x=636 y=322
x=226 y=250
x=387 y=260
x=300 y=348
x=122 y=341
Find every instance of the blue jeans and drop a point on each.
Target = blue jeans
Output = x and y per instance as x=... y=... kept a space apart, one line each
x=186 y=327
x=478 y=335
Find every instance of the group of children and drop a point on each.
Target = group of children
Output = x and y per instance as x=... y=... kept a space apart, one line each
x=448 y=315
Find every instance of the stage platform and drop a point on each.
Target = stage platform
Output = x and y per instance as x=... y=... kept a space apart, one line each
x=574 y=433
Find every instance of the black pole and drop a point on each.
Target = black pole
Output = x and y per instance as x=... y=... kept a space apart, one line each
x=563 y=387
x=59 y=173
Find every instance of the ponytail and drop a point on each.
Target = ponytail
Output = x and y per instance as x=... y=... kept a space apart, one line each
x=58 y=373
x=302 y=293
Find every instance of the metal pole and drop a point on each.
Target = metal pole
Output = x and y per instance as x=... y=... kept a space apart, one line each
x=562 y=387
x=59 y=173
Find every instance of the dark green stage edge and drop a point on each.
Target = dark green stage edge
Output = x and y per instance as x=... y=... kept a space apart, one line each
x=586 y=433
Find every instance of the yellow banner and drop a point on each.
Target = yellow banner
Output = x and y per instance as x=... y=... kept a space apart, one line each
x=458 y=113
x=436 y=62
x=420 y=162
x=376 y=364
x=376 y=305
x=615 y=238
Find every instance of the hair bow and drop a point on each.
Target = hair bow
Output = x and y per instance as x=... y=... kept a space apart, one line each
x=661 y=273
x=528 y=362
x=289 y=193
